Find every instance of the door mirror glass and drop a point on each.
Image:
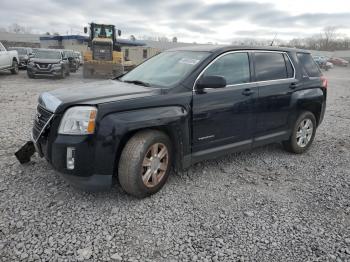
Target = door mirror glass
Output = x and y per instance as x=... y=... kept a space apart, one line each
x=211 y=82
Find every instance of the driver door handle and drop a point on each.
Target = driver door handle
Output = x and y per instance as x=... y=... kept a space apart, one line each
x=247 y=92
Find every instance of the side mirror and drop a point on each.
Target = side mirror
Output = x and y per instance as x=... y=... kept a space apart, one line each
x=211 y=82
x=85 y=30
x=119 y=32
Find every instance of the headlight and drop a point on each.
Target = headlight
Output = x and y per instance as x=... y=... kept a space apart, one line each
x=56 y=65
x=78 y=120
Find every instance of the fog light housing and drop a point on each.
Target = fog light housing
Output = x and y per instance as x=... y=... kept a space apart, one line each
x=70 y=158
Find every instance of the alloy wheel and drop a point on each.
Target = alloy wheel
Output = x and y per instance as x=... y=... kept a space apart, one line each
x=155 y=165
x=304 y=132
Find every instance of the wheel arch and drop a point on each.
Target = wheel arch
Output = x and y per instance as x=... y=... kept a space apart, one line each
x=312 y=100
x=119 y=128
x=315 y=108
x=172 y=134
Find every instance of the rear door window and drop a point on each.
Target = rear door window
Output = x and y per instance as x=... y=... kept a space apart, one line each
x=270 y=66
x=234 y=67
x=309 y=65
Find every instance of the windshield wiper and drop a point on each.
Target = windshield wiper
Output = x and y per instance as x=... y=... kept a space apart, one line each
x=137 y=82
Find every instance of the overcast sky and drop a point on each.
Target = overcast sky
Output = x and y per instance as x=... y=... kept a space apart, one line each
x=192 y=20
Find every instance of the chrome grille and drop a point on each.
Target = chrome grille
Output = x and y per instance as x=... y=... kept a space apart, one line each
x=41 y=120
x=43 y=66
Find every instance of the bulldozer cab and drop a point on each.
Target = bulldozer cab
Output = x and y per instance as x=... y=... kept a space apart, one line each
x=102 y=31
x=104 y=57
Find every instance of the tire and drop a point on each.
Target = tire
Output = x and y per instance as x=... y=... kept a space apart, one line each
x=30 y=75
x=63 y=75
x=302 y=136
x=14 y=69
x=138 y=167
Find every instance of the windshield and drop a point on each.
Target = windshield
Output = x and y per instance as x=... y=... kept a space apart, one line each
x=44 y=54
x=20 y=51
x=103 y=31
x=165 y=69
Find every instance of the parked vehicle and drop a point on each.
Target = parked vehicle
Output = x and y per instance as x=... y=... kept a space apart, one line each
x=323 y=62
x=24 y=53
x=78 y=58
x=72 y=60
x=177 y=108
x=338 y=61
x=8 y=60
x=48 y=62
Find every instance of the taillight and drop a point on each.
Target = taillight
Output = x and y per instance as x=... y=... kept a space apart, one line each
x=324 y=82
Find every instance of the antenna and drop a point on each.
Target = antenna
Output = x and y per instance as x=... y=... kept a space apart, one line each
x=273 y=40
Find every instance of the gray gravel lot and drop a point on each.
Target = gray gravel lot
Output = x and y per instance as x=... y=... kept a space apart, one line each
x=263 y=205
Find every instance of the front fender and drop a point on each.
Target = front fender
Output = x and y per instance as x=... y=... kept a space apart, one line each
x=115 y=128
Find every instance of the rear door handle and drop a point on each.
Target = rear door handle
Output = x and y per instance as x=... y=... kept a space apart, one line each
x=247 y=92
x=293 y=85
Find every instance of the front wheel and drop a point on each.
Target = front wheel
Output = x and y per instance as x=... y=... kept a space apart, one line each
x=30 y=75
x=62 y=74
x=145 y=163
x=14 y=69
x=303 y=134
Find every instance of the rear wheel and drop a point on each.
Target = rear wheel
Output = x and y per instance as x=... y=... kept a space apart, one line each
x=145 y=163
x=14 y=69
x=303 y=133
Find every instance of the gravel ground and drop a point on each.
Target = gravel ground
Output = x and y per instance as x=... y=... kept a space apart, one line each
x=263 y=205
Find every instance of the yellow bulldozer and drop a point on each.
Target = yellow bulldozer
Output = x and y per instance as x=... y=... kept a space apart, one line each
x=104 y=59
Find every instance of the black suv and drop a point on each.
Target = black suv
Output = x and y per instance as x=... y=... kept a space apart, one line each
x=180 y=107
x=48 y=62
x=24 y=54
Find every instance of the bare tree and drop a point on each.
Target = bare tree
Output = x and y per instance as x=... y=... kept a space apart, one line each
x=163 y=39
x=15 y=28
x=18 y=29
x=328 y=37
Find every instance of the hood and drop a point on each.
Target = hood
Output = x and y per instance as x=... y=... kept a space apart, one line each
x=93 y=93
x=45 y=61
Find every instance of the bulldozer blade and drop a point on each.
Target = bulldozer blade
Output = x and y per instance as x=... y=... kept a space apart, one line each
x=102 y=70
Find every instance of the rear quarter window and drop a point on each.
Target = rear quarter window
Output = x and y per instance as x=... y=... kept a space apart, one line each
x=309 y=65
